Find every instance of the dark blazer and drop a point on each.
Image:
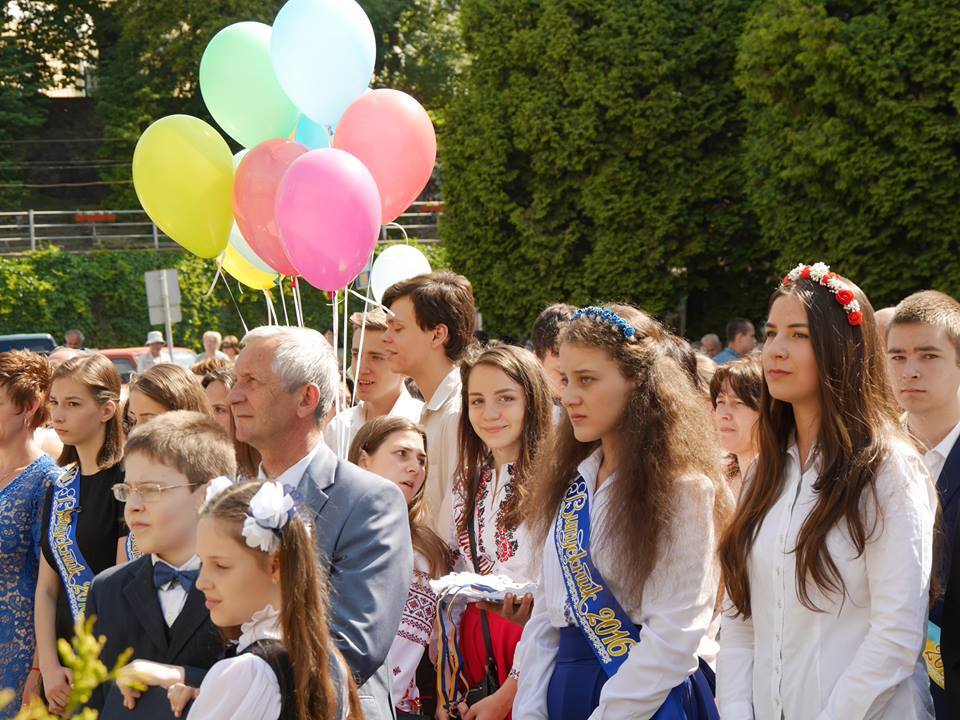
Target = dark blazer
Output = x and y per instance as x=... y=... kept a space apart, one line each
x=945 y=612
x=363 y=533
x=125 y=603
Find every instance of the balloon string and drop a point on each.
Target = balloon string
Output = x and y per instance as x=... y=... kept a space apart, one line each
x=367 y=299
x=402 y=229
x=217 y=275
x=336 y=399
x=346 y=319
x=236 y=307
x=297 y=301
x=363 y=330
x=283 y=299
x=272 y=318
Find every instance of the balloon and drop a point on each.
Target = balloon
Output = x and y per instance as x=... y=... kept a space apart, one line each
x=183 y=175
x=239 y=243
x=237 y=266
x=323 y=53
x=254 y=199
x=239 y=87
x=310 y=134
x=328 y=212
x=392 y=135
x=395 y=264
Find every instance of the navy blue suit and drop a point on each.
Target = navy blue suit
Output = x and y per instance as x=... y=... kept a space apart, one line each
x=944 y=613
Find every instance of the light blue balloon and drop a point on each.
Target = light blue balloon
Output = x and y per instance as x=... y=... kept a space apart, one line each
x=311 y=134
x=323 y=53
x=241 y=245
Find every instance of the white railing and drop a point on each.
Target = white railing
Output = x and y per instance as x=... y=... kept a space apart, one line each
x=86 y=230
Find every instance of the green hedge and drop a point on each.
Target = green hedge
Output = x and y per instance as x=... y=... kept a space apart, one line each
x=103 y=295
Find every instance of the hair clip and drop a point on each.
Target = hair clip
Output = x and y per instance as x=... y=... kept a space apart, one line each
x=270 y=509
x=608 y=316
x=820 y=274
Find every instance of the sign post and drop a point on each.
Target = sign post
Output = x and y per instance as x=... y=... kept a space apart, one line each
x=163 y=299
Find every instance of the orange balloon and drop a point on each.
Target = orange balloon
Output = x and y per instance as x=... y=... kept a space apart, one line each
x=393 y=136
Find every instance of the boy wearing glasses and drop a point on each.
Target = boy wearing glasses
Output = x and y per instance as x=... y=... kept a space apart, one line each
x=152 y=604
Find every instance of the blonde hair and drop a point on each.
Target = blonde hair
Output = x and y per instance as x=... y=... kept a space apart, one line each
x=174 y=387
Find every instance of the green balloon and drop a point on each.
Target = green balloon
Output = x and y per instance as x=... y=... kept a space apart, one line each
x=239 y=86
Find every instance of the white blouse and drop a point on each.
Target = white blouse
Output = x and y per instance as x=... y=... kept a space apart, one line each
x=244 y=687
x=678 y=602
x=861 y=657
x=416 y=629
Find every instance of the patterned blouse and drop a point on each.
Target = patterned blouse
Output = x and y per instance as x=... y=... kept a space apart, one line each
x=416 y=629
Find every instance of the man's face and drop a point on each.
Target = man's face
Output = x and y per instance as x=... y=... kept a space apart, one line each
x=745 y=342
x=155 y=349
x=551 y=367
x=211 y=343
x=376 y=379
x=711 y=346
x=922 y=364
x=262 y=410
x=408 y=344
x=74 y=341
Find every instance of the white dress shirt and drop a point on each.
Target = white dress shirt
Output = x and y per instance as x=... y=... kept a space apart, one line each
x=350 y=421
x=173 y=596
x=860 y=657
x=441 y=419
x=290 y=477
x=147 y=360
x=936 y=457
x=678 y=601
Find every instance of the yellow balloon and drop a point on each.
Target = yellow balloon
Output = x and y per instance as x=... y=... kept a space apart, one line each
x=183 y=175
x=243 y=270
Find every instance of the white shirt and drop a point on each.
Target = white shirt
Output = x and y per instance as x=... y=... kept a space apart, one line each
x=935 y=458
x=291 y=476
x=352 y=419
x=678 y=601
x=441 y=419
x=173 y=595
x=147 y=360
x=861 y=657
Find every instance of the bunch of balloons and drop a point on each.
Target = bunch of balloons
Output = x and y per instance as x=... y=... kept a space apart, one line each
x=327 y=161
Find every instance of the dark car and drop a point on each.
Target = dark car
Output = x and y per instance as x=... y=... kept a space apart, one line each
x=37 y=342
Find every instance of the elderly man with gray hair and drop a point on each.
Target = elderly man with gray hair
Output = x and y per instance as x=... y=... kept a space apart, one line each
x=286 y=378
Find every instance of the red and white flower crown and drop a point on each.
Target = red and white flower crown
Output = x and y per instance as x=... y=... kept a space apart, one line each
x=820 y=273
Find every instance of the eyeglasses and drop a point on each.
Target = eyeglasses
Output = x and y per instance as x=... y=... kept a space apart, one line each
x=148 y=492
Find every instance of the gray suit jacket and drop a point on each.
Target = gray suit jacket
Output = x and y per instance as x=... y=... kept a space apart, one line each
x=363 y=533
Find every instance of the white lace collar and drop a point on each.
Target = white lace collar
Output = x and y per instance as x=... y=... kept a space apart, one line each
x=263 y=625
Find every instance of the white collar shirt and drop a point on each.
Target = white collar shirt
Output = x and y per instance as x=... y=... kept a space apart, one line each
x=936 y=457
x=173 y=596
x=348 y=422
x=441 y=419
x=290 y=478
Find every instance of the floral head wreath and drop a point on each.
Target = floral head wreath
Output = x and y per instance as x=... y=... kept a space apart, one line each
x=269 y=511
x=607 y=316
x=820 y=274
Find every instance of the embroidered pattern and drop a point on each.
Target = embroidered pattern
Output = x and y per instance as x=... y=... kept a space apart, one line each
x=487 y=510
x=416 y=622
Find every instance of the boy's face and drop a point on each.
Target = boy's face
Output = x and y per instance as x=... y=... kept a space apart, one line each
x=923 y=367
x=166 y=525
x=376 y=379
x=408 y=344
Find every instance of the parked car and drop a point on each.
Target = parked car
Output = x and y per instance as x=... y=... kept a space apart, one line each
x=125 y=359
x=38 y=342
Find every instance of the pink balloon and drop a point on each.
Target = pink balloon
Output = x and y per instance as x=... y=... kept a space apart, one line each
x=255 y=199
x=328 y=212
x=392 y=135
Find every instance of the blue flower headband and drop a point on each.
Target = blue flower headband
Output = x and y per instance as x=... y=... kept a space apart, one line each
x=608 y=316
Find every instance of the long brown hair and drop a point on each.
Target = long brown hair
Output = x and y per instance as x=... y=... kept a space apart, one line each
x=663 y=436
x=248 y=457
x=522 y=367
x=425 y=541
x=304 y=609
x=100 y=377
x=174 y=387
x=857 y=427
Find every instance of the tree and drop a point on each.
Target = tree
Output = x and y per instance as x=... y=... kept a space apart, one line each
x=853 y=138
x=592 y=154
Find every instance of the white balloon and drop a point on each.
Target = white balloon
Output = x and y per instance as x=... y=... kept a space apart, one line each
x=396 y=263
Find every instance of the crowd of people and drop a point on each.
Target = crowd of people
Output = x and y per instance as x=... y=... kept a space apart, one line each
x=705 y=532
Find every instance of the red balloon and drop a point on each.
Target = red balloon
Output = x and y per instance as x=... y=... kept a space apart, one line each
x=254 y=199
x=393 y=136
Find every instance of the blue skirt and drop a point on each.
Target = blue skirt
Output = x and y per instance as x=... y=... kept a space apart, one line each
x=578 y=678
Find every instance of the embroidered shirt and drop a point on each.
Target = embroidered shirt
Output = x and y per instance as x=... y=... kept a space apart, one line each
x=416 y=629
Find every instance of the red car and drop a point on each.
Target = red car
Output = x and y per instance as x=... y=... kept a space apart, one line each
x=125 y=359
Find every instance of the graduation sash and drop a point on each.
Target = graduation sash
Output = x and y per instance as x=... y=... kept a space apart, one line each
x=64 y=518
x=606 y=626
x=133 y=551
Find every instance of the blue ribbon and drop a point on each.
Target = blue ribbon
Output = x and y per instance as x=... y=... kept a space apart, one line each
x=606 y=626
x=71 y=565
x=133 y=550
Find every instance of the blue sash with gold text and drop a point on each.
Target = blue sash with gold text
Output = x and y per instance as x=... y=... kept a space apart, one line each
x=64 y=518
x=603 y=622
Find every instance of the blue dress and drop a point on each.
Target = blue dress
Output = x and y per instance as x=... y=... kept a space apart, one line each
x=21 y=507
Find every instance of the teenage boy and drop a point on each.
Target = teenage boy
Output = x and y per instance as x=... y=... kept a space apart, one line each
x=152 y=604
x=429 y=330
x=378 y=388
x=544 y=336
x=923 y=356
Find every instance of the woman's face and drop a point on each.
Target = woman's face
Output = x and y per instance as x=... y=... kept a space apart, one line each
x=736 y=422
x=595 y=393
x=236 y=580
x=217 y=395
x=789 y=364
x=497 y=408
x=75 y=414
x=142 y=409
x=13 y=421
x=400 y=459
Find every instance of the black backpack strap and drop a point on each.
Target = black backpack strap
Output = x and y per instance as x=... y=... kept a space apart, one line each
x=487 y=640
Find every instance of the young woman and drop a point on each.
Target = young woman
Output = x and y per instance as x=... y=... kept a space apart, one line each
x=260 y=573
x=82 y=529
x=26 y=474
x=217 y=384
x=628 y=506
x=826 y=564
x=163 y=388
x=735 y=394
x=395 y=448
x=507 y=416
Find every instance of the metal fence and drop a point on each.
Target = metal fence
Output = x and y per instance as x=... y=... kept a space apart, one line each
x=86 y=230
